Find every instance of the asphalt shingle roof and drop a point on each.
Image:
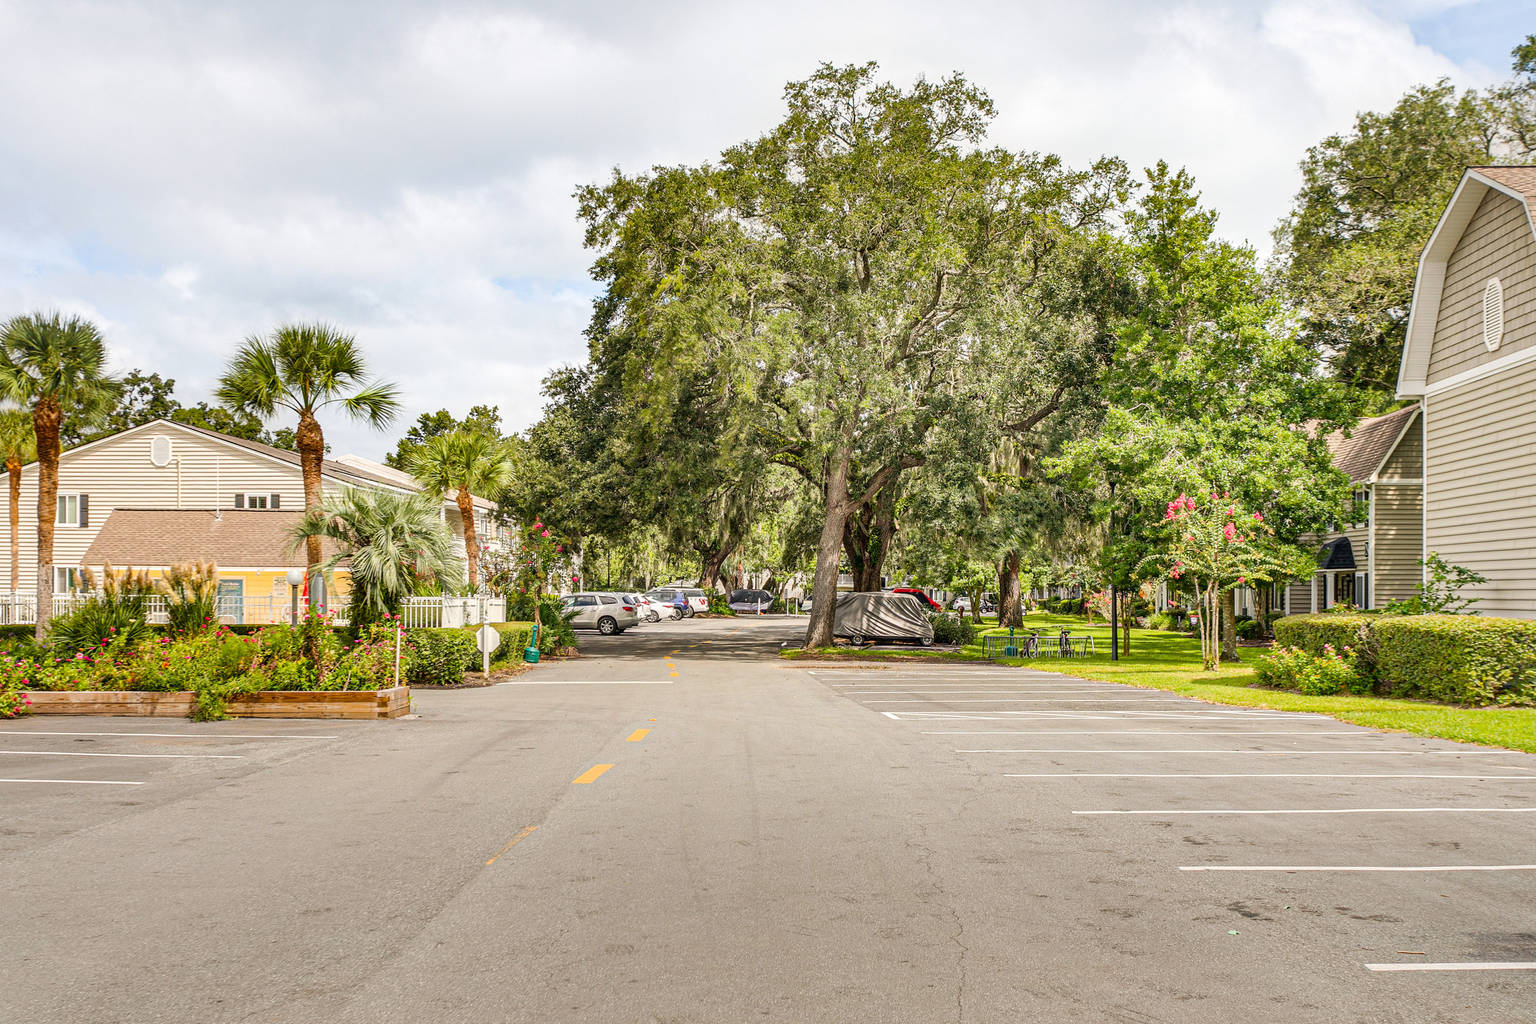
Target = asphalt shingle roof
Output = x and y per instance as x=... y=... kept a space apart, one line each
x=158 y=537
x=1361 y=454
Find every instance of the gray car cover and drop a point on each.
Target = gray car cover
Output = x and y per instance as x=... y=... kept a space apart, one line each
x=881 y=617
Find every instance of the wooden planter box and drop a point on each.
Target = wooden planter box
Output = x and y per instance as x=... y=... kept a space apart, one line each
x=391 y=703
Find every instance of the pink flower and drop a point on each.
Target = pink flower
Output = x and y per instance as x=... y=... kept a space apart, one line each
x=1258 y=517
x=1229 y=531
x=544 y=534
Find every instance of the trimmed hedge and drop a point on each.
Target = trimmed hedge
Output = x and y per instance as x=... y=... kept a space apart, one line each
x=1459 y=659
x=439 y=657
x=1454 y=659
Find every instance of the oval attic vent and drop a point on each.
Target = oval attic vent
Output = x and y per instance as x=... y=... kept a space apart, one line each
x=160 y=450
x=1493 y=314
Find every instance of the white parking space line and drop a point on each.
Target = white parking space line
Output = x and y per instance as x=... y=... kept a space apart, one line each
x=176 y=735
x=1242 y=775
x=92 y=753
x=1315 y=733
x=1038 y=700
x=946 y=693
x=71 y=782
x=1487 y=965
x=588 y=682
x=1257 y=753
x=1105 y=714
x=1358 y=868
x=1322 y=810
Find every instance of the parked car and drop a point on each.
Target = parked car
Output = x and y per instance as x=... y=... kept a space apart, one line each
x=963 y=604
x=882 y=616
x=698 y=601
x=643 y=607
x=674 y=600
x=931 y=604
x=751 y=602
x=605 y=612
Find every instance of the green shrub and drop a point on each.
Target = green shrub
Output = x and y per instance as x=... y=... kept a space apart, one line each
x=438 y=657
x=719 y=604
x=1313 y=632
x=1457 y=659
x=1331 y=672
x=1065 y=606
x=1249 y=629
x=952 y=629
x=95 y=623
x=1160 y=620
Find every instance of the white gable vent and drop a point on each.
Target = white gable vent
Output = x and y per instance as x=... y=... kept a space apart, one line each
x=1493 y=314
x=160 y=450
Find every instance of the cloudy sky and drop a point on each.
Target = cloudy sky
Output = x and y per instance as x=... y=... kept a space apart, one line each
x=187 y=174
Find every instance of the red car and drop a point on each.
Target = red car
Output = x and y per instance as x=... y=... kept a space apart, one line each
x=928 y=602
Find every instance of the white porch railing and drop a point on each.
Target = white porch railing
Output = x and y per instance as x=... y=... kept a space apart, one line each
x=447 y=612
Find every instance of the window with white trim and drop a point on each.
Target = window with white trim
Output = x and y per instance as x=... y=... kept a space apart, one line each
x=69 y=510
x=1362 y=506
x=258 y=501
x=65 y=580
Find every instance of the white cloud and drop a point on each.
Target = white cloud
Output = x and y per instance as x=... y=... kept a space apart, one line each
x=189 y=174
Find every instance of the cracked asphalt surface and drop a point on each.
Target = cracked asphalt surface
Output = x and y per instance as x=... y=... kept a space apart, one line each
x=788 y=843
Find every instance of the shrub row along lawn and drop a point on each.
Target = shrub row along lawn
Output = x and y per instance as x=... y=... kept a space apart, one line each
x=1171 y=661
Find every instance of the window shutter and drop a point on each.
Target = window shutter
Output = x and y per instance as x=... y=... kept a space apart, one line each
x=277 y=501
x=85 y=510
x=239 y=501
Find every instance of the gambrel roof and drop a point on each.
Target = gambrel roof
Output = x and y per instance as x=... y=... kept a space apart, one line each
x=1476 y=182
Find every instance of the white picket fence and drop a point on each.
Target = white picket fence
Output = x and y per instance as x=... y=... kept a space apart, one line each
x=266 y=610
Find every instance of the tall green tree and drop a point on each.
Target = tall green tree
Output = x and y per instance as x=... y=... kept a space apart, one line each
x=53 y=364
x=18 y=446
x=464 y=463
x=146 y=397
x=303 y=368
x=1210 y=388
x=858 y=274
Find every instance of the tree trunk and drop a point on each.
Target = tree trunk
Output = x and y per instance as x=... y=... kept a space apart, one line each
x=824 y=590
x=867 y=537
x=1010 y=601
x=1229 y=625
x=310 y=441
x=471 y=537
x=46 y=419
x=709 y=572
x=976 y=605
x=13 y=472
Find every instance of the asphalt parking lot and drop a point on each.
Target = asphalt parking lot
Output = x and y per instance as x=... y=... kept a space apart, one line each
x=1287 y=820
x=680 y=826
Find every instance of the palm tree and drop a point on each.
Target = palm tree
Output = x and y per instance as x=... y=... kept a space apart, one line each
x=18 y=446
x=466 y=463
x=392 y=541
x=303 y=368
x=53 y=364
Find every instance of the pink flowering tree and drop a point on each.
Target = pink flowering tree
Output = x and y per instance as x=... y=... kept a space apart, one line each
x=1212 y=546
x=540 y=563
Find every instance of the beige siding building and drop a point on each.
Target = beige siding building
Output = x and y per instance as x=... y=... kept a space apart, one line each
x=1470 y=359
x=1375 y=560
x=172 y=472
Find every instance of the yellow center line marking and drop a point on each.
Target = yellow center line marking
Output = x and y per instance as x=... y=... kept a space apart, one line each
x=638 y=735
x=590 y=775
x=524 y=834
x=671 y=673
x=650 y=719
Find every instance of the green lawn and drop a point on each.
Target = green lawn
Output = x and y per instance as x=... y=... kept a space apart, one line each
x=1171 y=661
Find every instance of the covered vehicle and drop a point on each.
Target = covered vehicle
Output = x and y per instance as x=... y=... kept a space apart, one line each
x=921 y=596
x=751 y=602
x=861 y=617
